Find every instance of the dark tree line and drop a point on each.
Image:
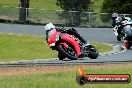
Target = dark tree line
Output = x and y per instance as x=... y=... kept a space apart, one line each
x=119 y=6
x=80 y=6
x=73 y=5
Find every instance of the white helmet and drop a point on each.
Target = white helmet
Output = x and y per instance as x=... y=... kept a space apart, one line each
x=49 y=26
x=115 y=15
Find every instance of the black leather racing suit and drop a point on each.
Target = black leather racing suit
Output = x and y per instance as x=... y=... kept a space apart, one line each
x=71 y=31
x=118 y=22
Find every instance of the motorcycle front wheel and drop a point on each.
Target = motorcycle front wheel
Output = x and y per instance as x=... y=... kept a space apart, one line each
x=68 y=52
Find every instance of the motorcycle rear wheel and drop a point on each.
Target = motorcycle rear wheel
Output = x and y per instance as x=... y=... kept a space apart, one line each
x=93 y=52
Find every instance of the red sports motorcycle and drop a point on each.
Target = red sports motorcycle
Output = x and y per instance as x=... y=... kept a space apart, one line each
x=69 y=46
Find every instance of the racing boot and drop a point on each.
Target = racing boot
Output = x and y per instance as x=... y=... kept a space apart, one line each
x=86 y=46
x=84 y=50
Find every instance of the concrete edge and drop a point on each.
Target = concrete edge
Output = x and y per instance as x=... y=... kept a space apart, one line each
x=117 y=49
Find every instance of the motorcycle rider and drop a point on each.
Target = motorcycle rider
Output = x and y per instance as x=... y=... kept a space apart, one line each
x=72 y=31
x=117 y=21
x=114 y=16
x=123 y=29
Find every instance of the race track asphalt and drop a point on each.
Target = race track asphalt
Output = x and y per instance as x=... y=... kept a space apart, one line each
x=104 y=35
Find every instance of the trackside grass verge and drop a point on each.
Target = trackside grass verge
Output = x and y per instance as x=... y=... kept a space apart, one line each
x=101 y=47
x=20 y=47
x=25 y=47
x=40 y=4
x=65 y=79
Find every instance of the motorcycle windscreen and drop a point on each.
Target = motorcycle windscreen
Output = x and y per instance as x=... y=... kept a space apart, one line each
x=52 y=36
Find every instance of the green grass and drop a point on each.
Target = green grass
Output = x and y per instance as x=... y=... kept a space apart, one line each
x=40 y=4
x=12 y=3
x=101 y=47
x=18 y=47
x=46 y=16
x=11 y=13
x=48 y=4
x=64 y=79
x=25 y=47
x=43 y=15
x=36 y=15
x=45 y=4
